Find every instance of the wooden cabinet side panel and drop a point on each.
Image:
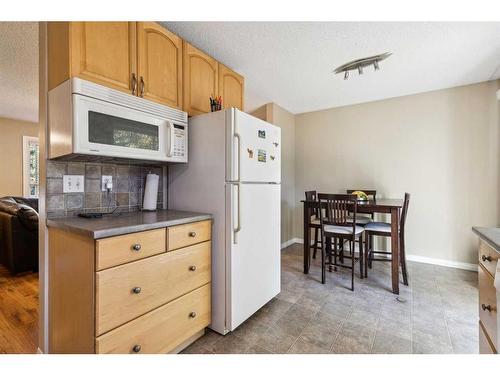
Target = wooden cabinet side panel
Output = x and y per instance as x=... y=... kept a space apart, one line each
x=104 y=53
x=200 y=80
x=71 y=293
x=58 y=53
x=159 y=62
x=231 y=88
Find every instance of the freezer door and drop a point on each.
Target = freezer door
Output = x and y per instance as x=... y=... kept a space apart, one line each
x=254 y=272
x=256 y=149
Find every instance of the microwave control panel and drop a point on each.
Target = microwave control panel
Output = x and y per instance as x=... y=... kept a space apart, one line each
x=180 y=141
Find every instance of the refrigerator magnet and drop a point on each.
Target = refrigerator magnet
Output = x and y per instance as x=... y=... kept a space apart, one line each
x=250 y=153
x=262 y=134
x=272 y=157
x=262 y=156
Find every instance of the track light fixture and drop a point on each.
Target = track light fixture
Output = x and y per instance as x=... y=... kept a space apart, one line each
x=359 y=64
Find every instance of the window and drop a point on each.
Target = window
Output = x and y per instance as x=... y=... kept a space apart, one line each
x=30 y=166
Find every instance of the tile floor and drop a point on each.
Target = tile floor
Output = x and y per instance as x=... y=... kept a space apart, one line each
x=436 y=313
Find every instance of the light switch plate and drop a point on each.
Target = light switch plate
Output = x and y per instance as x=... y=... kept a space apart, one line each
x=106 y=179
x=73 y=184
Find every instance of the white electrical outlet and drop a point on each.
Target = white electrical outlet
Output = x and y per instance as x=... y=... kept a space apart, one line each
x=73 y=184
x=107 y=182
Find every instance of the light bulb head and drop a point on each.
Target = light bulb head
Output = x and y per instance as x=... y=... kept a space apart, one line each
x=360 y=70
x=375 y=65
x=346 y=75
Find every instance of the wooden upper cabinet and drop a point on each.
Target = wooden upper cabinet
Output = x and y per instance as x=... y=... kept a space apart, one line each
x=231 y=88
x=101 y=52
x=200 y=80
x=159 y=64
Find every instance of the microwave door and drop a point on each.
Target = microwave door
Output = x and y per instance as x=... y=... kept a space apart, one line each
x=102 y=128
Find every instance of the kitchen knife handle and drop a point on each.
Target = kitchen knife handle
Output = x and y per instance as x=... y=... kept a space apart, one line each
x=134 y=84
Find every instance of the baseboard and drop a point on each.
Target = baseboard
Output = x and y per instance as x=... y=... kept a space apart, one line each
x=413 y=258
x=291 y=242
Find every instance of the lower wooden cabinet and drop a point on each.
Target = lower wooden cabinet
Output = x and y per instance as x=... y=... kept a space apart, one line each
x=107 y=297
x=488 y=327
x=162 y=329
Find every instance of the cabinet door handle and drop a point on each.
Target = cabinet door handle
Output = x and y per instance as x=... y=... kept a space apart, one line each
x=486 y=307
x=192 y=314
x=192 y=268
x=192 y=234
x=486 y=258
x=134 y=84
x=136 y=348
x=137 y=247
x=136 y=290
x=141 y=94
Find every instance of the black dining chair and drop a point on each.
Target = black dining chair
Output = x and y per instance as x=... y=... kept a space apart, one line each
x=311 y=195
x=334 y=214
x=384 y=230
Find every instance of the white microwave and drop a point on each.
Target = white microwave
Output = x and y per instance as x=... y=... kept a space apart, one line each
x=89 y=119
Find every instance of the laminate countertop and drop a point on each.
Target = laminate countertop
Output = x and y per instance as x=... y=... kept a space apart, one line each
x=125 y=223
x=490 y=235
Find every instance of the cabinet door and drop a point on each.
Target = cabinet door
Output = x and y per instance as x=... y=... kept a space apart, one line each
x=231 y=88
x=200 y=80
x=104 y=52
x=159 y=64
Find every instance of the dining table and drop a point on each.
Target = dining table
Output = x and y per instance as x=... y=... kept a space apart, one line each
x=379 y=205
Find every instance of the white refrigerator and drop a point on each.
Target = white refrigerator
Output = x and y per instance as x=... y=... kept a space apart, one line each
x=234 y=173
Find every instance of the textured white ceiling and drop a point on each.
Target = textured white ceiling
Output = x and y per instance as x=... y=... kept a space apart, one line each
x=19 y=70
x=290 y=63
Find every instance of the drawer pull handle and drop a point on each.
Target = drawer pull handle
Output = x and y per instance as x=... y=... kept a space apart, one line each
x=137 y=247
x=137 y=290
x=192 y=314
x=486 y=307
x=192 y=268
x=136 y=348
x=192 y=234
x=486 y=258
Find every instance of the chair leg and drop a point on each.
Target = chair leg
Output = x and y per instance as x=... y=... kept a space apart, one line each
x=316 y=232
x=366 y=256
x=352 y=271
x=361 y=255
x=323 y=258
x=402 y=259
x=370 y=255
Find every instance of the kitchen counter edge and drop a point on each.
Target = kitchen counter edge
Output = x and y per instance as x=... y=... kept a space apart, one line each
x=89 y=227
x=490 y=235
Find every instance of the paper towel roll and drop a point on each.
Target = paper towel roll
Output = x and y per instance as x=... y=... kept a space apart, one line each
x=151 y=192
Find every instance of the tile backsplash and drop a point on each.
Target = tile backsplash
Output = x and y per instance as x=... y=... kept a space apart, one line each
x=128 y=187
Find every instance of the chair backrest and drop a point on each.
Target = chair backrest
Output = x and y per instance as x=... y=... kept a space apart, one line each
x=336 y=209
x=371 y=193
x=404 y=212
x=311 y=195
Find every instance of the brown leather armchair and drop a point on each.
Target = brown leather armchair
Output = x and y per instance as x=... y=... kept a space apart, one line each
x=19 y=234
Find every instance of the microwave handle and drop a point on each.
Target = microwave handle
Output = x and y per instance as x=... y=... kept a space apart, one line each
x=170 y=129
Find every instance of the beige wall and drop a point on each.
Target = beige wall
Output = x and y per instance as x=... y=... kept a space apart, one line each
x=11 y=154
x=441 y=146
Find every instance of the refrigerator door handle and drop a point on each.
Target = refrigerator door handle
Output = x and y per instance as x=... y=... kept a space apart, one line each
x=237 y=136
x=238 y=216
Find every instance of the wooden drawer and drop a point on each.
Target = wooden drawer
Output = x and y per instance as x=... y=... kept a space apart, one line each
x=114 y=251
x=188 y=234
x=162 y=329
x=161 y=278
x=488 y=304
x=485 y=346
x=488 y=257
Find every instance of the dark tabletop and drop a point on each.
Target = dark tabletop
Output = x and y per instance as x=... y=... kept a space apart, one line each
x=379 y=202
x=126 y=223
x=490 y=235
